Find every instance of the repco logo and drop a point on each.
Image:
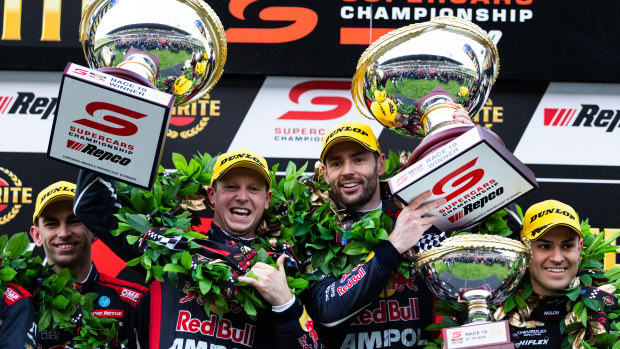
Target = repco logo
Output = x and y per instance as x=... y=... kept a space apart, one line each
x=118 y=127
x=590 y=115
x=92 y=149
x=12 y=195
x=461 y=184
x=27 y=103
x=304 y=20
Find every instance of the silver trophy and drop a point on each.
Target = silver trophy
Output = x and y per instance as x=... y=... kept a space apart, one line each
x=478 y=270
x=404 y=79
x=411 y=80
x=145 y=56
x=178 y=46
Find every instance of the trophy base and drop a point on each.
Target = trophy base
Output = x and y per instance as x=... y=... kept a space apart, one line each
x=488 y=335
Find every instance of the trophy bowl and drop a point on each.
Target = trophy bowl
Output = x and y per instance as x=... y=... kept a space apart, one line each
x=176 y=46
x=404 y=79
x=482 y=270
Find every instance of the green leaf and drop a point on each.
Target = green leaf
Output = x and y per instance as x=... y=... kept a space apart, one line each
x=18 y=244
x=509 y=304
x=134 y=261
x=186 y=260
x=171 y=267
x=205 y=286
x=179 y=162
x=7 y=274
x=189 y=190
x=60 y=302
x=139 y=222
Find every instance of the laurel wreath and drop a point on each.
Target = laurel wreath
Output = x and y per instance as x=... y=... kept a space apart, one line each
x=58 y=305
x=15 y=210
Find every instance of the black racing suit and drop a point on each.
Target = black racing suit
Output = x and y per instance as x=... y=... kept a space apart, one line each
x=178 y=319
x=17 y=324
x=125 y=301
x=542 y=329
x=358 y=310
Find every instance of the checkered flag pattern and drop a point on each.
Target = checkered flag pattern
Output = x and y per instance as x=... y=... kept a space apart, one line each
x=428 y=241
x=156 y=235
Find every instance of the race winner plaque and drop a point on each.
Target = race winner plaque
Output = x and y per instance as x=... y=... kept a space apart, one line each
x=110 y=125
x=474 y=172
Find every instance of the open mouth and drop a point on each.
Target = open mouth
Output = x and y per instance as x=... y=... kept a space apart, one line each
x=556 y=270
x=240 y=212
x=350 y=185
x=66 y=245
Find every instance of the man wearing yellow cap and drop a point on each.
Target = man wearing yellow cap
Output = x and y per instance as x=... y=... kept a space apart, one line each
x=239 y=193
x=67 y=244
x=556 y=241
x=372 y=307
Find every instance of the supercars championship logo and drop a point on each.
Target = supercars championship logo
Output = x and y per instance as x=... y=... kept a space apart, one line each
x=464 y=191
x=13 y=195
x=104 y=140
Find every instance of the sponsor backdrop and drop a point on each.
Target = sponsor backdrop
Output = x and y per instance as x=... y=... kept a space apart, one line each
x=555 y=103
x=554 y=40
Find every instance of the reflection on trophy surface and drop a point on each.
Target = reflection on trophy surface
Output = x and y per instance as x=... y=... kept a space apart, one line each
x=480 y=269
x=405 y=78
x=145 y=57
x=176 y=46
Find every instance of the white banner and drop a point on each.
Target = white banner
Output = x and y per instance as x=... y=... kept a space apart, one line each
x=290 y=115
x=28 y=102
x=574 y=124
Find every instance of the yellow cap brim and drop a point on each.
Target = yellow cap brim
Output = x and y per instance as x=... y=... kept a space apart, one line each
x=535 y=235
x=58 y=198
x=341 y=139
x=245 y=164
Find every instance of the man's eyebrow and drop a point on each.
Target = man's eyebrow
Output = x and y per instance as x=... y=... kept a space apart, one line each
x=47 y=219
x=549 y=242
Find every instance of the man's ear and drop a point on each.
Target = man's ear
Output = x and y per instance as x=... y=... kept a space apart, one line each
x=36 y=235
x=268 y=199
x=580 y=245
x=211 y=195
x=325 y=174
x=380 y=164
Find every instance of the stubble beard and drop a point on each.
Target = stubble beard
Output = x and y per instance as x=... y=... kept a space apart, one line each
x=367 y=193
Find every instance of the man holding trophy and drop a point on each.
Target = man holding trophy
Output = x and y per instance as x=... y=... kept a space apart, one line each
x=364 y=315
x=411 y=81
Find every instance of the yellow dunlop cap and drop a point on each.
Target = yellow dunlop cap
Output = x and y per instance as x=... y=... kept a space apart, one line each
x=59 y=191
x=541 y=217
x=240 y=158
x=350 y=131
